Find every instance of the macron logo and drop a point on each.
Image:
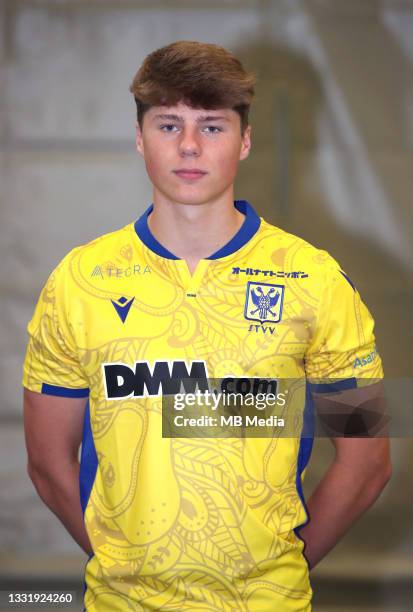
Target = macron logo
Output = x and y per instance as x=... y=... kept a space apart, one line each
x=122 y=307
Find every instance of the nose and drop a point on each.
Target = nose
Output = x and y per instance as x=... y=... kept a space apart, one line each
x=189 y=143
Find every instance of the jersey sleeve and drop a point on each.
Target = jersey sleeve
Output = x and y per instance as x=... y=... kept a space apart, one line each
x=51 y=364
x=343 y=352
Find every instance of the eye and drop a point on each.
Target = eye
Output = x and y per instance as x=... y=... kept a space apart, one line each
x=167 y=125
x=213 y=127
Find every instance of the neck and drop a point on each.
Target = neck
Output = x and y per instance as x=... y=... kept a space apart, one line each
x=194 y=231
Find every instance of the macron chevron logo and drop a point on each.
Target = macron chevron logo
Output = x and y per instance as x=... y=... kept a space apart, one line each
x=122 y=307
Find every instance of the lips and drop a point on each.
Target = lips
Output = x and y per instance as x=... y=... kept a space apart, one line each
x=190 y=173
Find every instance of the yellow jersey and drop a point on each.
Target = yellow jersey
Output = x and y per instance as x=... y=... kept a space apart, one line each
x=193 y=523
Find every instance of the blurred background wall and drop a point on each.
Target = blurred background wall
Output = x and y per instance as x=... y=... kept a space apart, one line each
x=332 y=161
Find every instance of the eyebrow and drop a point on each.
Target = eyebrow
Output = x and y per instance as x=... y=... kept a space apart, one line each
x=201 y=119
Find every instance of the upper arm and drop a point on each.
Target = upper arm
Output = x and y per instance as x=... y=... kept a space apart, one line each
x=53 y=428
x=55 y=384
x=367 y=461
x=356 y=422
x=345 y=373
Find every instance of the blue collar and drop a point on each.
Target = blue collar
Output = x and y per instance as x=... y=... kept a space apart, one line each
x=243 y=235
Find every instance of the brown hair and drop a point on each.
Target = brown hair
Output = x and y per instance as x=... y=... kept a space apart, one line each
x=201 y=75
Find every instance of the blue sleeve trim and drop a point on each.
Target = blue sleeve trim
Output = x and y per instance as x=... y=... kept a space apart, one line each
x=64 y=391
x=332 y=387
x=348 y=279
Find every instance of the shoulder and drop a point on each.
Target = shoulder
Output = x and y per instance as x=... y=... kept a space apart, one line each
x=108 y=249
x=292 y=251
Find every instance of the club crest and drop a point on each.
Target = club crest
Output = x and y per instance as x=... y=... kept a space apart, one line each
x=264 y=302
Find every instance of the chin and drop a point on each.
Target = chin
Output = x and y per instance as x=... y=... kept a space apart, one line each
x=191 y=198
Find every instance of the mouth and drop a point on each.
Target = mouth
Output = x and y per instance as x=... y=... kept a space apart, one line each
x=189 y=173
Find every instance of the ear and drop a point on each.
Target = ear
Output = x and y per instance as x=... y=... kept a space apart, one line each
x=139 y=139
x=245 y=143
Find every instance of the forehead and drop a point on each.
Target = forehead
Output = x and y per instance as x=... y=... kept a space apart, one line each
x=188 y=113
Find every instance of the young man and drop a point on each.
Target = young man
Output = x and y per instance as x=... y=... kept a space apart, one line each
x=198 y=286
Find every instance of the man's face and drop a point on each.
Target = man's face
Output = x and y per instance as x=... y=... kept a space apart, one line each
x=178 y=138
